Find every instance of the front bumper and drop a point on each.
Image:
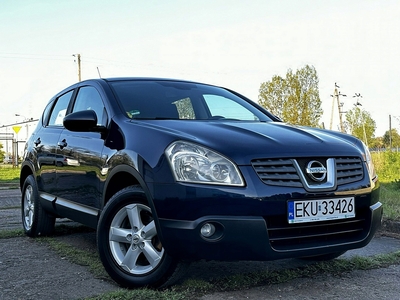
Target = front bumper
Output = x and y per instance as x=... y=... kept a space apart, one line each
x=258 y=238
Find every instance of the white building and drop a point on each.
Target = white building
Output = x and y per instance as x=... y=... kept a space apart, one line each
x=13 y=136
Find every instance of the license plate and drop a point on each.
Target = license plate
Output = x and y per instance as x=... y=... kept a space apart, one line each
x=320 y=210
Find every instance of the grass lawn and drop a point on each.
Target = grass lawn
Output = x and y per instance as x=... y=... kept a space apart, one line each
x=9 y=174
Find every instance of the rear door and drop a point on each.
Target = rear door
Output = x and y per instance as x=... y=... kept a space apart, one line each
x=45 y=142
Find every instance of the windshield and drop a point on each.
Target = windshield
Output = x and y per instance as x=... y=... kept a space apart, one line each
x=182 y=100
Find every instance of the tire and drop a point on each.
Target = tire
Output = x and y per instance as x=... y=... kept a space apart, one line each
x=35 y=220
x=128 y=244
x=324 y=257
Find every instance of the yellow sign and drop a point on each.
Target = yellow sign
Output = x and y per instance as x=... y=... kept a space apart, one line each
x=16 y=129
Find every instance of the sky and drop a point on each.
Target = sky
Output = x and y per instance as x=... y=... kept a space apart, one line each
x=235 y=44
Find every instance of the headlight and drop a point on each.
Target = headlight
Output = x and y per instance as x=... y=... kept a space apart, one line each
x=369 y=162
x=197 y=164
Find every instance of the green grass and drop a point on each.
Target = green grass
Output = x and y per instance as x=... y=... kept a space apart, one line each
x=142 y=294
x=80 y=257
x=9 y=174
x=7 y=234
x=390 y=198
x=387 y=166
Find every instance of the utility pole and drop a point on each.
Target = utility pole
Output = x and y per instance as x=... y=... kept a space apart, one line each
x=78 y=57
x=333 y=105
x=336 y=95
x=390 y=132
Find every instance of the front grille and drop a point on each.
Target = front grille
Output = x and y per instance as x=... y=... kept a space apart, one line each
x=289 y=237
x=283 y=172
x=277 y=172
x=348 y=170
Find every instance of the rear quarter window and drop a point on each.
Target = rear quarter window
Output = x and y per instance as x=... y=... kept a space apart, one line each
x=59 y=110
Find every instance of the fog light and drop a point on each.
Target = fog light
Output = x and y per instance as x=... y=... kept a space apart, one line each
x=207 y=230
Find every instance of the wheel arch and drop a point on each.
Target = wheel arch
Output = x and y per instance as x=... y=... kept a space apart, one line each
x=121 y=177
x=26 y=170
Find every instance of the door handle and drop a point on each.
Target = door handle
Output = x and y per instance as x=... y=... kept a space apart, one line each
x=62 y=144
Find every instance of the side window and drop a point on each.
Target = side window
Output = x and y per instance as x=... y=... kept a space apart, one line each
x=89 y=98
x=228 y=109
x=59 y=110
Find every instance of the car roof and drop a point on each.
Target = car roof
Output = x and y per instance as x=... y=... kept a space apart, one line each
x=146 y=78
x=113 y=79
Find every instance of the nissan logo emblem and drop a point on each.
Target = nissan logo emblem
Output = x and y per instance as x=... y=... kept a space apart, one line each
x=316 y=171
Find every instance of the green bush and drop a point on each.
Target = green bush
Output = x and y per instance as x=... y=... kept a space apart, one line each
x=387 y=166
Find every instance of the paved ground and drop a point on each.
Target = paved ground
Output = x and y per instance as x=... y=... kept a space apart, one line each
x=357 y=285
x=30 y=270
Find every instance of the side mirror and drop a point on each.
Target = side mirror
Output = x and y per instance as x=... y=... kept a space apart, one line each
x=84 y=120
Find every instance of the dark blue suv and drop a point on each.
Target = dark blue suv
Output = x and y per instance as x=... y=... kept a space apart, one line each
x=170 y=171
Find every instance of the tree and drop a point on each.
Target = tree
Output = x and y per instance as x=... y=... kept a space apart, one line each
x=1 y=152
x=295 y=99
x=361 y=124
x=376 y=143
x=395 y=138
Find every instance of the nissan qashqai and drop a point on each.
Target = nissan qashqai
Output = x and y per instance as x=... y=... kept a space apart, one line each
x=171 y=171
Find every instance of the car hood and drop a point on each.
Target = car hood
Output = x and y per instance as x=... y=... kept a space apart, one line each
x=244 y=141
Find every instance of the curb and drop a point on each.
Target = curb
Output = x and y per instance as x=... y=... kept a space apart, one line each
x=8 y=186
